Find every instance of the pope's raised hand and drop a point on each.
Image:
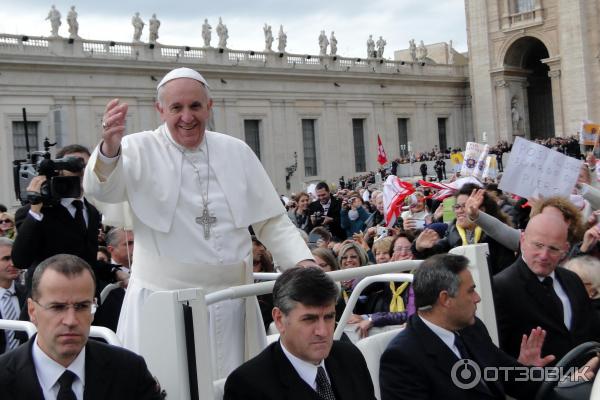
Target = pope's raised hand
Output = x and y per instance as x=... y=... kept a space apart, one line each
x=113 y=127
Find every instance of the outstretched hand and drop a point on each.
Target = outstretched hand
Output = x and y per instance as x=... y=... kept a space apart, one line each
x=473 y=204
x=426 y=240
x=530 y=353
x=113 y=127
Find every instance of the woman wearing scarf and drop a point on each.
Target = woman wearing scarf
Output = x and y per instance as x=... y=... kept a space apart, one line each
x=462 y=231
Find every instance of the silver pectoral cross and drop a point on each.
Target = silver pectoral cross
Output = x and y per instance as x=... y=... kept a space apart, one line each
x=206 y=220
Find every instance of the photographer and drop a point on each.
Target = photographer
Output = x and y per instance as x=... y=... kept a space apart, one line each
x=325 y=211
x=68 y=226
x=353 y=215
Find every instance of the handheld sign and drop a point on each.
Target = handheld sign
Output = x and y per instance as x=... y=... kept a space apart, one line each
x=534 y=170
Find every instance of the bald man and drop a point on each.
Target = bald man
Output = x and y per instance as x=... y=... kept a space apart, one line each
x=533 y=292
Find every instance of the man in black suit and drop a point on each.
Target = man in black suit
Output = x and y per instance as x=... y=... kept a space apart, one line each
x=534 y=292
x=442 y=345
x=70 y=226
x=305 y=363
x=59 y=362
x=326 y=211
x=12 y=294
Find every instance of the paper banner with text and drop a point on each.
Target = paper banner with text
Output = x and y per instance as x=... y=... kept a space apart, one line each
x=474 y=163
x=589 y=133
x=534 y=170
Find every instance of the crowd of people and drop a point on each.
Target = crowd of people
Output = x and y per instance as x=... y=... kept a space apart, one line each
x=68 y=263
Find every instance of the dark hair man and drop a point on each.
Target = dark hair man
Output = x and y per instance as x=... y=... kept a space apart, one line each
x=306 y=362
x=421 y=362
x=59 y=360
x=71 y=226
x=326 y=211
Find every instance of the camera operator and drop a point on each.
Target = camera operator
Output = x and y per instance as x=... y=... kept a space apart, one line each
x=68 y=226
x=353 y=215
x=325 y=211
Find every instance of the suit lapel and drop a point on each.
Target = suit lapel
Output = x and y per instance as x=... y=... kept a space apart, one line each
x=297 y=389
x=25 y=381
x=540 y=297
x=342 y=388
x=571 y=289
x=98 y=375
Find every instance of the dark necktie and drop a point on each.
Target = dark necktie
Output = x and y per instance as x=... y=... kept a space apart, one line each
x=460 y=345
x=553 y=297
x=79 y=220
x=324 y=388
x=65 y=381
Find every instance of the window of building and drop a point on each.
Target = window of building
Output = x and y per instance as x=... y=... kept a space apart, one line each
x=522 y=6
x=310 y=147
x=358 y=131
x=442 y=122
x=252 y=135
x=403 y=135
x=19 y=144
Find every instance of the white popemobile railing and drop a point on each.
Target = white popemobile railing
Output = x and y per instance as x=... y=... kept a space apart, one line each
x=163 y=337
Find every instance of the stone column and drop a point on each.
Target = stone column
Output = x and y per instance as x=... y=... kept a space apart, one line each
x=84 y=122
x=557 y=106
x=503 y=110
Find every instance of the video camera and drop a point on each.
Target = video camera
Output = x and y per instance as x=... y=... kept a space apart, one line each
x=56 y=187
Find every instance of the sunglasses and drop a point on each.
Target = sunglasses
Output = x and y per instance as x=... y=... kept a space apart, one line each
x=5 y=221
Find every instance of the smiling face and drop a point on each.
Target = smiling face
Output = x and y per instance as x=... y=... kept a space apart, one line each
x=307 y=332
x=185 y=107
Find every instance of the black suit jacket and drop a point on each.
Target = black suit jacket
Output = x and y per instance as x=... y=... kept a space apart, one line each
x=522 y=304
x=21 y=293
x=334 y=211
x=110 y=373
x=418 y=365
x=271 y=376
x=58 y=233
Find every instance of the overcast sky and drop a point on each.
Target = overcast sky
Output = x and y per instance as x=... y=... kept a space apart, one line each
x=397 y=21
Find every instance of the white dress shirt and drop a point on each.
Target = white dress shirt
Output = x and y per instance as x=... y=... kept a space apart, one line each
x=306 y=370
x=445 y=336
x=49 y=371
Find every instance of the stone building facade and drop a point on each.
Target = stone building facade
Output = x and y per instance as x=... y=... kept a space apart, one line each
x=308 y=117
x=534 y=66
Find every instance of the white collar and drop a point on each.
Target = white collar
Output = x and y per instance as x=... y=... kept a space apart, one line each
x=11 y=289
x=200 y=148
x=306 y=370
x=444 y=334
x=48 y=370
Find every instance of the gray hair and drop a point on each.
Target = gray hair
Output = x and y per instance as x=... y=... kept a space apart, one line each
x=113 y=236
x=6 y=242
x=436 y=274
x=309 y=286
x=65 y=264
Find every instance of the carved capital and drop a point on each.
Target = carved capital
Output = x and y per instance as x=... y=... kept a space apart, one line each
x=501 y=83
x=554 y=74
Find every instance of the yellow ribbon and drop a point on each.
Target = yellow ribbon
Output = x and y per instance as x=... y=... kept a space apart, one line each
x=463 y=235
x=397 y=303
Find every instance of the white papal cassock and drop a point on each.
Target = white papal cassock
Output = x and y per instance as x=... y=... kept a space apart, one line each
x=164 y=193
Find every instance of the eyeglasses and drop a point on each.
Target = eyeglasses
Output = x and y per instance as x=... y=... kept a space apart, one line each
x=344 y=258
x=401 y=249
x=552 y=250
x=5 y=221
x=84 y=307
x=458 y=206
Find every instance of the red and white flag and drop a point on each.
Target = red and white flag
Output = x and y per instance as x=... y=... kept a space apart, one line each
x=394 y=193
x=381 y=157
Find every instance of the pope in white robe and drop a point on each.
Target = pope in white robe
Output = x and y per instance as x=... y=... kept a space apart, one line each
x=191 y=195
